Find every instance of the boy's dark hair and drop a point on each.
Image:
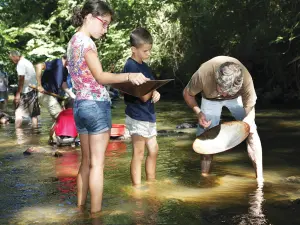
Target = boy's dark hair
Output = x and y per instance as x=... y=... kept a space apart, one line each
x=139 y=37
x=69 y=103
x=95 y=7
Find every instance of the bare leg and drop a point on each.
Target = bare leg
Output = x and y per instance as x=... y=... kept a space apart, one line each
x=18 y=122
x=34 y=122
x=205 y=164
x=20 y=136
x=138 y=143
x=98 y=144
x=212 y=111
x=152 y=146
x=84 y=171
x=255 y=153
x=51 y=133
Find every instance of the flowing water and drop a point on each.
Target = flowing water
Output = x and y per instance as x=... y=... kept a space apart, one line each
x=41 y=188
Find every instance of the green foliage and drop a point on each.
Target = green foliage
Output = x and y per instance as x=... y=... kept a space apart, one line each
x=167 y=38
x=264 y=35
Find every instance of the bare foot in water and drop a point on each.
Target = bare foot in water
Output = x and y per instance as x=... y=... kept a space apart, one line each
x=204 y=174
x=97 y=218
x=96 y=214
x=140 y=187
x=151 y=181
x=81 y=208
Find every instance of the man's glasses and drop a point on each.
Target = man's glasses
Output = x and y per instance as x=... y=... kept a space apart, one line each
x=104 y=23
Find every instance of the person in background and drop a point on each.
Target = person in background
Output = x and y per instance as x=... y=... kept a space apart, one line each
x=26 y=98
x=4 y=118
x=63 y=131
x=3 y=89
x=54 y=80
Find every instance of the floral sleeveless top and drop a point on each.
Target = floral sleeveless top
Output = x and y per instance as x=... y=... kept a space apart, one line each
x=85 y=85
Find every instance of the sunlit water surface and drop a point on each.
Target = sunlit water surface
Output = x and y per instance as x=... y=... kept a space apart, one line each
x=41 y=188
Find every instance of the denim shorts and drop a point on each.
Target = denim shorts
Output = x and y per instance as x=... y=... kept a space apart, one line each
x=92 y=117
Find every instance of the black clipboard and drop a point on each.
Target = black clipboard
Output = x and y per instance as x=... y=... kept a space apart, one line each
x=142 y=89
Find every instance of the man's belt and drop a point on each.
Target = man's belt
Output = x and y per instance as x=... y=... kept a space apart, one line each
x=220 y=98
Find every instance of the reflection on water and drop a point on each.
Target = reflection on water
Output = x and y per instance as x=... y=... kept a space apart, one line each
x=255 y=210
x=41 y=189
x=255 y=213
x=20 y=136
x=66 y=169
x=67 y=166
x=26 y=136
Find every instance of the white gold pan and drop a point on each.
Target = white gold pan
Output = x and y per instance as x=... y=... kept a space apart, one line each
x=221 y=138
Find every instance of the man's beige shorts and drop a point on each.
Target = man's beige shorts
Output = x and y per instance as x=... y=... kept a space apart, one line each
x=51 y=103
x=28 y=105
x=141 y=128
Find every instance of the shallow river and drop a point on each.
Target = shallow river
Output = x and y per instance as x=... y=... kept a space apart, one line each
x=41 y=188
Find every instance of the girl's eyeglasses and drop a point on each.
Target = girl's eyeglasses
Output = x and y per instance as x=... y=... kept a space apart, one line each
x=104 y=23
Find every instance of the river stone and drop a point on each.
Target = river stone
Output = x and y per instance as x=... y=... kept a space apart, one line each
x=293 y=179
x=169 y=133
x=186 y=125
x=58 y=154
x=32 y=150
x=42 y=150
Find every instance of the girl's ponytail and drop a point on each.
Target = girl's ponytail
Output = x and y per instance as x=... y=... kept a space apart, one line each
x=77 y=19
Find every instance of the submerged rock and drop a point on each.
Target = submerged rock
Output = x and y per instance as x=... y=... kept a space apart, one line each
x=163 y=131
x=293 y=179
x=41 y=150
x=186 y=125
x=169 y=133
x=58 y=154
x=33 y=150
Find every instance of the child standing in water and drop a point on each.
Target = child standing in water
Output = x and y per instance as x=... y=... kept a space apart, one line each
x=140 y=113
x=92 y=111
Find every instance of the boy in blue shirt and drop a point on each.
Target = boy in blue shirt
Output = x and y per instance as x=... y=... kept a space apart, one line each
x=54 y=80
x=140 y=113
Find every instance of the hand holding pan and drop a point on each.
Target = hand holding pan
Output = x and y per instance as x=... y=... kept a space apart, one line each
x=221 y=138
x=47 y=92
x=142 y=89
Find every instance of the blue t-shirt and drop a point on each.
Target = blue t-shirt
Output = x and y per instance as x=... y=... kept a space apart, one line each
x=135 y=107
x=54 y=75
x=69 y=81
